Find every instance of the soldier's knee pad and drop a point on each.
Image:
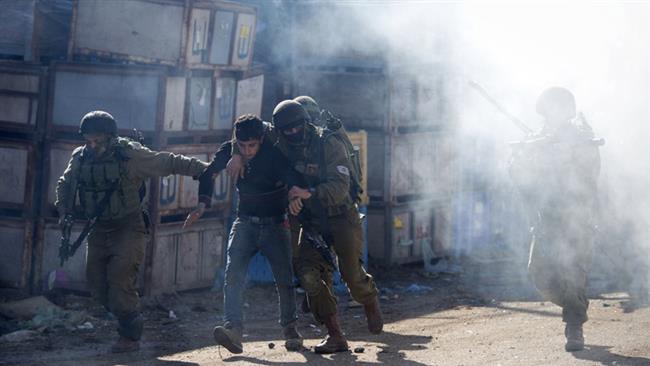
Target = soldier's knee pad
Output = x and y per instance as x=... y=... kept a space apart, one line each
x=130 y=326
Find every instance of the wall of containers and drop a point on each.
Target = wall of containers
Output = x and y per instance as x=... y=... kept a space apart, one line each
x=177 y=70
x=410 y=168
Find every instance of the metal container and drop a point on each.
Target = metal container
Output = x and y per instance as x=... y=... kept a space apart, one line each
x=142 y=31
x=418 y=97
x=196 y=34
x=359 y=98
x=411 y=166
x=179 y=194
x=409 y=233
x=22 y=93
x=34 y=29
x=200 y=102
x=17 y=178
x=249 y=96
x=15 y=261
x=130 y=94
x=187 y=259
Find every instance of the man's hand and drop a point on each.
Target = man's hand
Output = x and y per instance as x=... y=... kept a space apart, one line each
x=235 y=167
x=297 y=192
x=295 y=206
x=194 y=215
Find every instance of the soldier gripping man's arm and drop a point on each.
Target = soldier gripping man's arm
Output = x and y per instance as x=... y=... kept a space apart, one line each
x=324 y=163
x=111 y=165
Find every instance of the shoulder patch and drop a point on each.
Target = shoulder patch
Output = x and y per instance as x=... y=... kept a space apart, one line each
x=343 y=170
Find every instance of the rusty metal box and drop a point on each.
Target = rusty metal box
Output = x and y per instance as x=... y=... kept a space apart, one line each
x=409 y=233
x=187 y=259
x=15 y=261
x=21 y=96
x=130 y=94
x=32 y=29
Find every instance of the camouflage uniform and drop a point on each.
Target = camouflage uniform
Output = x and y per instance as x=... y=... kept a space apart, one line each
x=344 y=231
x=117 y=242
x=332 y=213
x=557 y=173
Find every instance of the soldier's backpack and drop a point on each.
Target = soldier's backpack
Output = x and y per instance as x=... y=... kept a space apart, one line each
x=333 y=127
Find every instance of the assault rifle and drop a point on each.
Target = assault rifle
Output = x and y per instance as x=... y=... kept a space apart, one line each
x=315 y=239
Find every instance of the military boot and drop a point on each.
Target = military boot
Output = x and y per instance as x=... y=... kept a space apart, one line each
x=229 y=337
x=574 y=339
x=373 y=315
x=130 y=330
x=124 y=344
x=334 y=341
x=293 y=339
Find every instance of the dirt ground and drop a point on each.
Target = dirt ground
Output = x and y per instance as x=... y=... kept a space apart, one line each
x=430 y=320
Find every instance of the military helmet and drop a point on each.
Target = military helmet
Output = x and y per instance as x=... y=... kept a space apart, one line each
x=96 y=122
x=556 y=100
x=288 y=114
x=310 y=106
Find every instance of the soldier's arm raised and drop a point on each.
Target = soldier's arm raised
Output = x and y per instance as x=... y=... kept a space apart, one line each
x=66 y=186
x=146 y=163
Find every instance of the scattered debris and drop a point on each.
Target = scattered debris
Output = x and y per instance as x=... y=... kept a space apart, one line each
x=414 y=288
x=26 y=309
x=359 y=350
x=271 y=345
x=19 y=336
x=354 y=304
x=86 y=325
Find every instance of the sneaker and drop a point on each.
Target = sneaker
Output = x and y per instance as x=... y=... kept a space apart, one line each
x=230 y=338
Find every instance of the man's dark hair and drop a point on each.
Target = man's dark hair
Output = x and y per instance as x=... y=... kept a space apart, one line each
x=248 y=127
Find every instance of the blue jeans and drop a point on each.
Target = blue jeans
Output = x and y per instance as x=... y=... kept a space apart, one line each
x=272 y=240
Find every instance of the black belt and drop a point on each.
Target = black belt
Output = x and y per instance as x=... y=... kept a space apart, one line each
x=263 y=220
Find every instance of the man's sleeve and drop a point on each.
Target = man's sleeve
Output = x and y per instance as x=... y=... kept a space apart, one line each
x=145 y=163
x=66 y=186
x=206 y=180
x=337 y=182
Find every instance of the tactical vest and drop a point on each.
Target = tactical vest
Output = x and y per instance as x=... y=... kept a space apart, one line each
x=313 y=165
x=97 y=176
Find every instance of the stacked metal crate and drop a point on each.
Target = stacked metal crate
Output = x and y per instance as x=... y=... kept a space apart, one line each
x=32 y=31
x=178 y=71
x=411 y=170
x=21 y=101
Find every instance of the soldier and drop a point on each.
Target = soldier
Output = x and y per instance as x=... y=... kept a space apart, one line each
x=324 y=162
x=111 y=165
x=261 y=226
x=557 y=172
